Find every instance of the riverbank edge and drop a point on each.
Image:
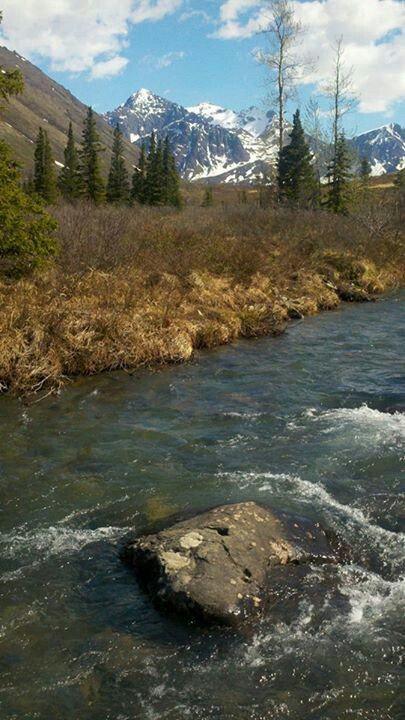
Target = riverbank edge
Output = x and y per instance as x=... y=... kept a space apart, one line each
x=100 y=322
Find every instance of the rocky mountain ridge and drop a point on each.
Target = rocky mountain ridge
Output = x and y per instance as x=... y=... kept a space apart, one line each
x=215 y=144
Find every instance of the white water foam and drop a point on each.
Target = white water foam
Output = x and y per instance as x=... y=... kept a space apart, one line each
x=371 y=602
x=372 y=598
x=54 y=540
x=347 y=519
x=366 y=425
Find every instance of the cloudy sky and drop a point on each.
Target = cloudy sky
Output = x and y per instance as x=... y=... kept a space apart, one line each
x=203 y=50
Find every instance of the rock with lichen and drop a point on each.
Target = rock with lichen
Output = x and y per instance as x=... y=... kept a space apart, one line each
x=219 y=566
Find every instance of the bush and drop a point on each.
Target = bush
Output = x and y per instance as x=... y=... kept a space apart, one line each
x=26 y=230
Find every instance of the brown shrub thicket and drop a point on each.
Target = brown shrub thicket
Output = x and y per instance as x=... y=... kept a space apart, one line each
x=143 y=286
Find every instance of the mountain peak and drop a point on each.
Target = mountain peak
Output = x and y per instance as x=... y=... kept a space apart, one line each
x=143 y=94
x=217 y=144
x=143 y=98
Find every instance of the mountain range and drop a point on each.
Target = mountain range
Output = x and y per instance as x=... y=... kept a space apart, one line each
x=214 y=144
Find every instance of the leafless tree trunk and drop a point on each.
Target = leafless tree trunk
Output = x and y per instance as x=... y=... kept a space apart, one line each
x=319 y=140
x=341 y=92
x=282 y=34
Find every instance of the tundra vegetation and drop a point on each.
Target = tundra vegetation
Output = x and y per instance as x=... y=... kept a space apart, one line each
x=135 y=269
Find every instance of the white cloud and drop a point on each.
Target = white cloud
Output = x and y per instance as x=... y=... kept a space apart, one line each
x=78 y=35
x=163 y=61
x=196 y=15
x=108 y=68
x=239 y=19
x=373 y=35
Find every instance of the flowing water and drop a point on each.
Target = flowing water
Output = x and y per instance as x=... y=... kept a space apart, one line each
x=310 y=423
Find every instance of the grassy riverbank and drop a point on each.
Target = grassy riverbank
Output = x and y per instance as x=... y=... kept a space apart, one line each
x=144 y=287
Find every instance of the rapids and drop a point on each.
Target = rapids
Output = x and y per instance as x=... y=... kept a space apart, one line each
x=306 y=422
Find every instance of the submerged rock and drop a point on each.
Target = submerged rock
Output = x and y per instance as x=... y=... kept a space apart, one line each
x=219 y=566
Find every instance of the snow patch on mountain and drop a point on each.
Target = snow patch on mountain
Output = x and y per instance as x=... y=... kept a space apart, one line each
x=215 y=144
x=384 y=147
x=253 y=120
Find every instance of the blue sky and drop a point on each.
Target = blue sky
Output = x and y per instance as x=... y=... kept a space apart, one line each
x=203 y=50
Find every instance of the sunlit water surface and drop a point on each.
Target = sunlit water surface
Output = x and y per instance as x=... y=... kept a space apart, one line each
x=306 y=423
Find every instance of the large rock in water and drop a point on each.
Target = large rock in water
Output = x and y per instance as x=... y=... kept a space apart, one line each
x=218 y=566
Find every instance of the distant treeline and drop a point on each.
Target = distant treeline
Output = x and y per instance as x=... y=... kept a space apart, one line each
x=155 y=181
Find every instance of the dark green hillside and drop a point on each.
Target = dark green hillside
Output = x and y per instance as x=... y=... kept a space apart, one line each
x=46 y=103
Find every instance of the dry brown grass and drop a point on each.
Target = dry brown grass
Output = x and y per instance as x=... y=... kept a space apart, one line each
x=145 y=287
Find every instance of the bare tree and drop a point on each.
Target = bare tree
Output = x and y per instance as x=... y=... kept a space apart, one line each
x=343 y=99
x=282 y=34
x=319 y=141
x=340 y=90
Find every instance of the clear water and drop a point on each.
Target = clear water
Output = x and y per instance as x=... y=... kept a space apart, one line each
x=299 y=422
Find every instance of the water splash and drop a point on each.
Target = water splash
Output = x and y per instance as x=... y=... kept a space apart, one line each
x=52 y=541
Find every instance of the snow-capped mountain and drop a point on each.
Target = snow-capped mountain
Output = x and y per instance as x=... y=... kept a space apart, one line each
x=210 y=143
x=253 y=120
x=383 y=147
x=214 y=144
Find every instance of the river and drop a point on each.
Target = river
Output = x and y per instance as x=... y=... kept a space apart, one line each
x=306 y=423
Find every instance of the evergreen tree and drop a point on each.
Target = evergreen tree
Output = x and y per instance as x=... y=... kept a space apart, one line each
x=166 y=166
x=296 y=178
x=339 y=177
x=50 y=192
x=44 y=168
x=150 y=171
x=365 y=169
x=118 y=183
x=243 y=198
x=39 y=162
x=68 y=179
x=399 y=181
x=91 y=185
x=26 y=230
x=171 y=178
x=156 y=179
x=138 y=191
x=208 y=198
x=11 y=81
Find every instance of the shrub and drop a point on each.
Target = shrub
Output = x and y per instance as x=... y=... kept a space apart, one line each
x=26 y=230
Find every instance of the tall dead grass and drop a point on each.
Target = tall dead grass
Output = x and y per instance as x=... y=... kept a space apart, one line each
x=136 y=287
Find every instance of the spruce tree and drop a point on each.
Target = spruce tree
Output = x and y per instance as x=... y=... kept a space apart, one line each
x=365 y=169
x=68 y=179
x=150 y=171
x=339 y=178
x=91 y=185
x=208 y=200
x=118 y=183
x=166 y=167
x=138 y=190
x=39 y=162
x=171 y=179
x=156 y=179
x=26 y=230
x=364 y=183
x=296 y=177
x=399 y=181
x=44 y=168
x=11 y=81
x=50 y=192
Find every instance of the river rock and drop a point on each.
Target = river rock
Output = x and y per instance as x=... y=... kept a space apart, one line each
x=218 y=566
